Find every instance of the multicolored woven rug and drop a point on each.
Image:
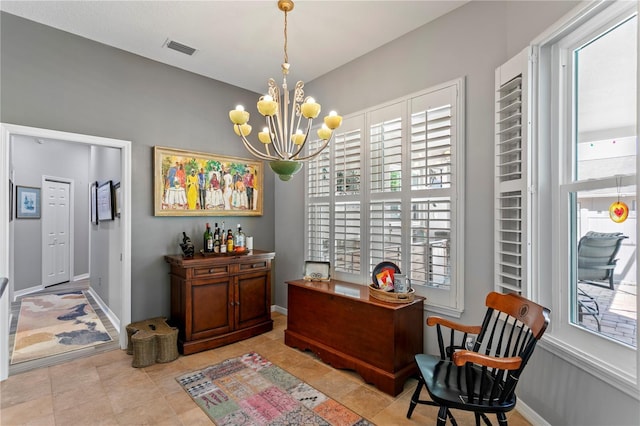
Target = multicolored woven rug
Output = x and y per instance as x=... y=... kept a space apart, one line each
x=52 y=324
x=250 y=390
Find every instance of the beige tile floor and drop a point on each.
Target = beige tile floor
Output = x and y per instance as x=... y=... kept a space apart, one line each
x=104 y=389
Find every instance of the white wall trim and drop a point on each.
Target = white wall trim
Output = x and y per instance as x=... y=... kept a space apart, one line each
x=531 y=416
x=279 y=309
x=107 y=311
x=26 y=291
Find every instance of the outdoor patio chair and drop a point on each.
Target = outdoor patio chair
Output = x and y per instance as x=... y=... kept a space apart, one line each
x=482 y=379
x=597 y=257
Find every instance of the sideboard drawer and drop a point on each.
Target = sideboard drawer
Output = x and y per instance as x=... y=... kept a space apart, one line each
x=256 y=265
x=211 y=271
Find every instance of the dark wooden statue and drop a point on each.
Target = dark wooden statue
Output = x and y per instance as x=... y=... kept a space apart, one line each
x=187 y=246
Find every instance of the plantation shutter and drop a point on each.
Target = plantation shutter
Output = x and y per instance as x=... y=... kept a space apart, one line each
x=318 y=212
x=431 y=147
x=386 y=155
x=318 y=227
x=347 y=236
x=347 y=187
x=512 y=180
x=347 y=162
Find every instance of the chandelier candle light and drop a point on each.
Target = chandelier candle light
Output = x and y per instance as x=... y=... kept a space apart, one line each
x=285 y=137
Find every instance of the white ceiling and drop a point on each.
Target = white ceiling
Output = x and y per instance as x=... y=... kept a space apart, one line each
x=239 y=42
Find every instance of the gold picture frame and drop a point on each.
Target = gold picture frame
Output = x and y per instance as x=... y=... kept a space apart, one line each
x=233 y=186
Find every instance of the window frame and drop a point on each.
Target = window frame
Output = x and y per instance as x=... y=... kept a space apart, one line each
x=450 y=301
x=553 y=122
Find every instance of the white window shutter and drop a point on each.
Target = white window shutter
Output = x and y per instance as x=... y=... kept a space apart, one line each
x=512 y=177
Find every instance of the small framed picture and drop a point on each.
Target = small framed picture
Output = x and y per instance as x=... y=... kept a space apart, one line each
x=10 y=200
x=105 y=201
x=27 y=202
x=317 y=271
x=117 y=199
x=94 y=202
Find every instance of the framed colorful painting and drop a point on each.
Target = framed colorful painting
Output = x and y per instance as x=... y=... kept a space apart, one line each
x=189 y=183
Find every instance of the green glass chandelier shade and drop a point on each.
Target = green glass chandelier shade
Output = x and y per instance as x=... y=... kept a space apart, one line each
x=285 y=168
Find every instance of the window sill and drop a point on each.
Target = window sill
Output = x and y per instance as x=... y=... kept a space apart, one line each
x=615 y=377
x=444 y=310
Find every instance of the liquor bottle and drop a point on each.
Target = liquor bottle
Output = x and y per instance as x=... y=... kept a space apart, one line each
x=215 y=233
x=208 y=240
x=222 y=239
x=216 y=244
x=239 y=239
x=229 y=242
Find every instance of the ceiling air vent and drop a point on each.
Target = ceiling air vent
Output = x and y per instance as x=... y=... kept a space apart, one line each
x=179 y=47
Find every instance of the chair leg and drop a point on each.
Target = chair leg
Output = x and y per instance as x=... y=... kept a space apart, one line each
x=486 y=419
x=415 y=397
x=502 y=419
x=442 y=416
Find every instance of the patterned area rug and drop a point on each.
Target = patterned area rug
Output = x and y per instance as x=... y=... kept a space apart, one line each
x=52 y=324
x=250 y=390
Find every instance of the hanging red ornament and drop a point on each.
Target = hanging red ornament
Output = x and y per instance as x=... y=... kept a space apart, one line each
x=618 y=211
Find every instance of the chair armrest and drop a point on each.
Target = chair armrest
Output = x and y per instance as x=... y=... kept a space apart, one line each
x=508 y=363
x=598 y=267
x=471 y=329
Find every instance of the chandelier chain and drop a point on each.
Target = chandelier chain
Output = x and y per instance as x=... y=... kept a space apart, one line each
x=286 y=56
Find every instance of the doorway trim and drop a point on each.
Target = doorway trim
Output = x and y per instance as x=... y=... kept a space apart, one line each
x=6 y=256
x=71 y=236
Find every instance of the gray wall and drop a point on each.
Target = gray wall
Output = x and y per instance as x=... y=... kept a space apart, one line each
x=54 y=80
x=471 y=41
x=106 y=266
x=31 y=160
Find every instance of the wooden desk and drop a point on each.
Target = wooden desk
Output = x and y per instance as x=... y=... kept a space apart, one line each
x=346 y=329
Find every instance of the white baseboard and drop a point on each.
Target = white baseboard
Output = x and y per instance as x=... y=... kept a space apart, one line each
x=528 y=413
x=279 y=309
x=115 y=321
x=25 y=291
x=81 y=277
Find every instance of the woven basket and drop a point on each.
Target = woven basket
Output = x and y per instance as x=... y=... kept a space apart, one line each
x=391 y=297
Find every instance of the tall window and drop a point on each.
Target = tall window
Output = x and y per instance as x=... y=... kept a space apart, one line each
x=389 y=189
x=587 y=210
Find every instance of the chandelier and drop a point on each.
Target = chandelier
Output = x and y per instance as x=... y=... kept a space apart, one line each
x=285 y=134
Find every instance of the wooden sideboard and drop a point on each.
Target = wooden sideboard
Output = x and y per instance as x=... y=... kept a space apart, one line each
x=347 y=329
x=217 y=300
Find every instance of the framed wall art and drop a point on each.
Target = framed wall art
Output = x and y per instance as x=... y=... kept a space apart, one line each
x=27 y=202
x=188 y=183
x=93 y=196
x=10 y=200
x=117 y=199
x=105 y=201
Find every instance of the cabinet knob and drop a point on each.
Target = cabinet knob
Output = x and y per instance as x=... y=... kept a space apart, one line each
x=211 y=271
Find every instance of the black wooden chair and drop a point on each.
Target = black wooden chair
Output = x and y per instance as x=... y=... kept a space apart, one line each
x=483 y=379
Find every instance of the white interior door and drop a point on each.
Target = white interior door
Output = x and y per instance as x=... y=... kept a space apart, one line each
x=56 y=222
